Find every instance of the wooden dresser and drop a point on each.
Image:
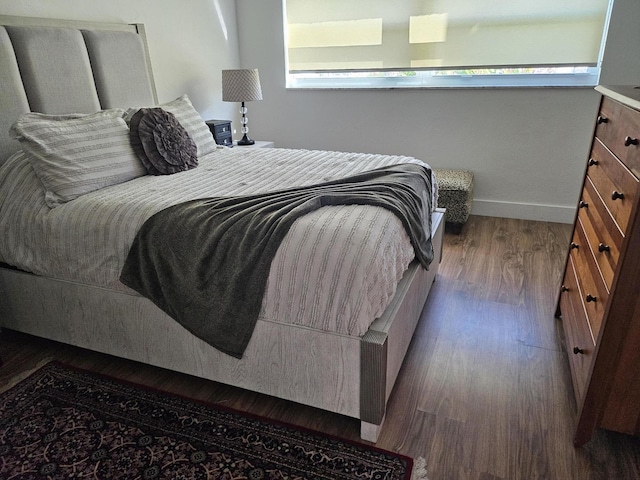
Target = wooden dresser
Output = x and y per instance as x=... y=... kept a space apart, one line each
x=599 y=299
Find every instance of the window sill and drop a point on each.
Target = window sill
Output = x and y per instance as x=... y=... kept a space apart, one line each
x=447 y=82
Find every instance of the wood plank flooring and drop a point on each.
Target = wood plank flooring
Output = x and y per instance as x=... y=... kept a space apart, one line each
x=485 y=391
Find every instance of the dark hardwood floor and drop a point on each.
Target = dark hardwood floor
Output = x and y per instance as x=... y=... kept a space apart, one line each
x=485 y=391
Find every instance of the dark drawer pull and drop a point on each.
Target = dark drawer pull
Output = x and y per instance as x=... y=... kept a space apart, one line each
x=564 y=289
x=628 y=141
x=603 y=248
x=590 y=298
x=592 y=162
x=573 y=245
x=602 y=119
x=583 y=204
x=617 y=195
x=578 y=351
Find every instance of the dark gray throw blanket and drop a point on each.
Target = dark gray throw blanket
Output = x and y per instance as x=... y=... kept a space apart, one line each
x=206 y=262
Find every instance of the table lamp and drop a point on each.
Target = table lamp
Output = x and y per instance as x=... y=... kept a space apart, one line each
x=242 y=85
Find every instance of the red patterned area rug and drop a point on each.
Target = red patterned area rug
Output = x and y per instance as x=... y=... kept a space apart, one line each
x=61 y=423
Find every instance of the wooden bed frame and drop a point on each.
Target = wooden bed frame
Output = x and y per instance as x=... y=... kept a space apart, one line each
x=349 y=375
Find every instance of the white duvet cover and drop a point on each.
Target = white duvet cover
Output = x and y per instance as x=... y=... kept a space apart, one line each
x=336 y=270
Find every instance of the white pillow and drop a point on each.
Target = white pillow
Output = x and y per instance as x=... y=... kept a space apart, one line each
x=76 y=154
x=191 y=121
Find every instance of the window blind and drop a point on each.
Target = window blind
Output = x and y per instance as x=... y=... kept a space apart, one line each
x=355 y=35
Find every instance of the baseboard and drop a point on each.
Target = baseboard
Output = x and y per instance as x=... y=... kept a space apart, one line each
x=525 y=211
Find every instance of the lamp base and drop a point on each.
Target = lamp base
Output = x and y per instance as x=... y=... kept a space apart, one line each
x=246 y=140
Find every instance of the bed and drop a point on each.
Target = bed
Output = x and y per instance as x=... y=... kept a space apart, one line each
x=313 y=345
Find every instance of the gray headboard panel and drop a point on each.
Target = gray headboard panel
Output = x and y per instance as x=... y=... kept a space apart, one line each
x=13 y=99
x=55 y=69
x=119 y=79
x=59 y=66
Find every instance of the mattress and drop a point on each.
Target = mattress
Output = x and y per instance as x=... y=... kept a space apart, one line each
x=336 y=270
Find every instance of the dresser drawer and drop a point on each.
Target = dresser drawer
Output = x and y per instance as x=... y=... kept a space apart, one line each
x=594 y=294
x=603 y=235
x=578 y=341
x=224 y=140
x=616 y=185
x=618 y=127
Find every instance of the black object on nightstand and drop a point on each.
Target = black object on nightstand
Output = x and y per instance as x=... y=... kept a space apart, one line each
x=221 y=130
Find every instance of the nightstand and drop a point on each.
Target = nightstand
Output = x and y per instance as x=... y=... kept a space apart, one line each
x=221 y=130
x=258 y=144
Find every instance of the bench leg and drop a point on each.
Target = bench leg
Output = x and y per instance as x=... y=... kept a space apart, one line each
x=455 y=228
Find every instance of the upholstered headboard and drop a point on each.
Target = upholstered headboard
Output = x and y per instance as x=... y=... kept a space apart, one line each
x=57 y=66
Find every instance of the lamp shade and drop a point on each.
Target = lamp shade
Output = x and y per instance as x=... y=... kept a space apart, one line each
x=241 y=85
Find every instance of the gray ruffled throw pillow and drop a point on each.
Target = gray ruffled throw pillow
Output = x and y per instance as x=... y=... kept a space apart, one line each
x=162 y=144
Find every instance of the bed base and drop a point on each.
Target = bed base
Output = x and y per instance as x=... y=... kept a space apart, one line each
x=352 y=376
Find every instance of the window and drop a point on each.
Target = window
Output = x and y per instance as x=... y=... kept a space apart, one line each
x=444 y=43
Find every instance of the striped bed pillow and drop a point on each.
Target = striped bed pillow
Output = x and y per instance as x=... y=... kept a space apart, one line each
x=191 y=121
x=76 y=154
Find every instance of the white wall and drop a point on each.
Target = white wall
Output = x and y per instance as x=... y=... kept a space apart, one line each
x=189 y=42
x=526 y=147
x=621 y=62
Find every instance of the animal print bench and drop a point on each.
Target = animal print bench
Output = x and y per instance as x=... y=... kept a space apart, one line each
x=455 y=193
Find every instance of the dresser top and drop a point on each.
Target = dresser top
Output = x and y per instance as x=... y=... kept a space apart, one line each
x=626 y=94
